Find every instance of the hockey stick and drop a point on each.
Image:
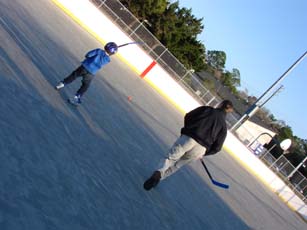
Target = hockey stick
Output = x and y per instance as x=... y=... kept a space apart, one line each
x=130 y=43
x=219 y=184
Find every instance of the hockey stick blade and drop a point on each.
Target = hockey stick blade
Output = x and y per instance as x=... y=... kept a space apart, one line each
x=130 y=43
x=219 y=184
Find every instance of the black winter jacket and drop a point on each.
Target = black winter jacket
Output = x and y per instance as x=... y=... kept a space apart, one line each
x=207 y=126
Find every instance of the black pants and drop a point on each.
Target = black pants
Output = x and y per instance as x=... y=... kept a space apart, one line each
x=87 y=77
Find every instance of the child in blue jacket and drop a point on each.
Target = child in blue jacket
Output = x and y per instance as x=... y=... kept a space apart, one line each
x=94 y=61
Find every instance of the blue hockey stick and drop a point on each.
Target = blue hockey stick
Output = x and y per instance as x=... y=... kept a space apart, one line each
x=219 y=184
x=130 y=43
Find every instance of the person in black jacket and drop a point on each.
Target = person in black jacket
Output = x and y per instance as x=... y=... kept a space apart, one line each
x=204 y=133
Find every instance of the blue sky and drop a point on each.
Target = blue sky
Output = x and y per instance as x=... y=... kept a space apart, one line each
x=262 y=39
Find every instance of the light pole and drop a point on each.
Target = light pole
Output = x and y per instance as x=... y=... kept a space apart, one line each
x=190 y=71
x=254 y=108
x=273 y=94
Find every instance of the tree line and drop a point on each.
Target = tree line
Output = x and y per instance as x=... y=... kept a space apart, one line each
x=178 y=29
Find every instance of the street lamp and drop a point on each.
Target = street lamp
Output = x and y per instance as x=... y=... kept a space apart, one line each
x=147 y=22
x=254 y=108
x=273 y=94
x=190 y=71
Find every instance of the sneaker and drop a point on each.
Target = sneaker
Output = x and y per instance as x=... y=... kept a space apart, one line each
x=59 y=86
x=153 y=181
x=77 y=99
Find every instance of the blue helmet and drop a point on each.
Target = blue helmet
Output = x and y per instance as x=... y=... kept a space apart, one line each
x=111 y=48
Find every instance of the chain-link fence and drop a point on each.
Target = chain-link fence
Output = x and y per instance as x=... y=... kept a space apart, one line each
x=286 y=171
x=137 y=30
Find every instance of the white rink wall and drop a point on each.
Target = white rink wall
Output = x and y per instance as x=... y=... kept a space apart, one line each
x=88 y=16
x=256 y=167
x=97 y=24
x=168 y=87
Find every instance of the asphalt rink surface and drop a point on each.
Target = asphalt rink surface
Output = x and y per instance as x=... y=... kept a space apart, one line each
x=83 y=168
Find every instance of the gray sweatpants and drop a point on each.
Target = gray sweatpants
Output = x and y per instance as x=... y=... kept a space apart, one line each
x=185 y=150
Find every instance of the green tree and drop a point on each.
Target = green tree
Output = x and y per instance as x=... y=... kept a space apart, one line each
x=176 y=28
x=272 y=117
x=231 y=80
x=236 y=77
x=285 y=132
x=145 y=9
x=209 y=85
x=216 y=59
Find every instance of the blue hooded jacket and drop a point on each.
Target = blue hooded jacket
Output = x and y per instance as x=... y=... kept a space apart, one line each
x=94 y=60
